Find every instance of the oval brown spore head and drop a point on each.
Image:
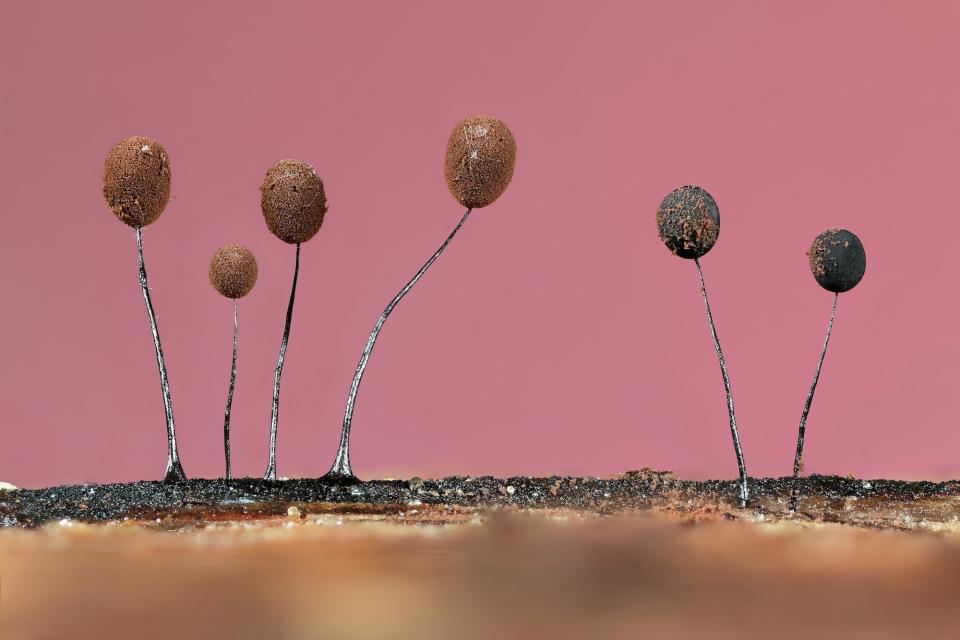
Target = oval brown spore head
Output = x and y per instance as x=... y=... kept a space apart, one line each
x=481 y=154
x=233 y=271
x=136 y=180
x=293 y=201
x=688 y=221
x=837 y=260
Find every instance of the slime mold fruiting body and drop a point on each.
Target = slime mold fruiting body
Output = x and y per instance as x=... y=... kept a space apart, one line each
x=479 y=163
x=838 y=262
x=136 y=186
x=688 y=222
x=294 y=204
x=233 y=272
x=481 y=155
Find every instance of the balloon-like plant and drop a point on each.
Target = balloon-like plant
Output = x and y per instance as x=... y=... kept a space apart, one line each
x=136 y=186
x=481 y=154
x=838 y=262
x=233 y=272
x=294 y=204
x=688 y=221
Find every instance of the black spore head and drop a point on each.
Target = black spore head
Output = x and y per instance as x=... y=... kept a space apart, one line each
x=688 y=221
x=837 y=260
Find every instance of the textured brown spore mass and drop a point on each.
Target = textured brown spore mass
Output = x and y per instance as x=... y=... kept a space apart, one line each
x=688 y=221
x=837 y=260
x=293 y=201
x=233 y=271
x=136 y=180
x=481 y=154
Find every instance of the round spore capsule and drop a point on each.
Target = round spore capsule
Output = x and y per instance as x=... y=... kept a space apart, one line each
x=688 y=221
x=136 y=180
x=481 y=154
x=837 y=260
x=233 y=271
x=293 y=201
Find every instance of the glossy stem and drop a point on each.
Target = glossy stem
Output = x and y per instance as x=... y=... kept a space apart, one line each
x=744 y=489
x=341 y=468
x=271 y=473
x=233 y=383
x=798 y=458
x=174 y=472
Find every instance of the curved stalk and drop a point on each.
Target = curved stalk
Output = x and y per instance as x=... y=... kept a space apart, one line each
x=271 y=473
x=341 y=468
x=174 y=472
x=798 y=458
x=744 y=489
x=233 y=382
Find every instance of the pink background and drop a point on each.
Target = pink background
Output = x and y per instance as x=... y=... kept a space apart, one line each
x=557 y=335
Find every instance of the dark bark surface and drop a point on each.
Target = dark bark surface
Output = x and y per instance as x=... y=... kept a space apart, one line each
x=878 y=504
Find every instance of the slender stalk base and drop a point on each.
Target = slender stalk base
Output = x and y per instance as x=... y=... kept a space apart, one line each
x=271 y=473
x=233 y=383
x=341 y=469
x=174 y=472
x=744 y=489
x=798 y=458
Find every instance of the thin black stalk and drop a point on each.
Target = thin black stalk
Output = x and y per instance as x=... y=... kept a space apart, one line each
x=744 y=489
x=798 y=458
x=271 y=473
x=233 y=382
x=174 y=472
x=341 y=468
